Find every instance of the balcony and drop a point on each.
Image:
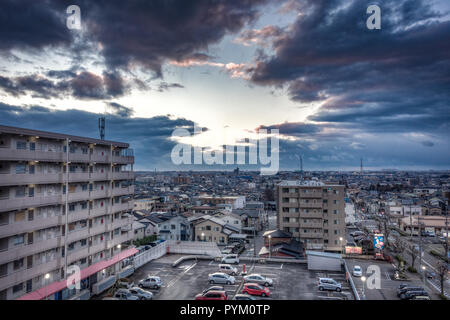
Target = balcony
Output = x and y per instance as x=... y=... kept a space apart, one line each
x=310 y=205
x=100 y=158
x=123 y=159
x=123 y=191
x=78 y=157
x=289 y=205
x=99 y=194
x=10 y=179
x=311 y=215
x=121 y=207
x=97 y=212
x=311 y=195
x=311 y=235
x=17 y=252
x=101 y=228
x=78 y=196
x=123 y=175
x=28 y=202
x=28 y=226
x=75 y=255
x=99 y=176
x=77 y=215
x=75 y=177
x=76 y=235
x=97 y=247
x=30 y=155
x=25 y=274
x=289 y=195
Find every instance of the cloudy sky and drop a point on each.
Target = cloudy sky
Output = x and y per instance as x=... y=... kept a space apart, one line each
x=334 y=89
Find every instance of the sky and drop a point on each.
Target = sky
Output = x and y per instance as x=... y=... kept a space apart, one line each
x=335 y=90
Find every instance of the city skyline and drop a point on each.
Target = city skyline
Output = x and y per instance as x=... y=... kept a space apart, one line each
x=335 y=90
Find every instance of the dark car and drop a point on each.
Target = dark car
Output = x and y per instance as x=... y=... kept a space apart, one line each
x=404 y=287
x=411 y=294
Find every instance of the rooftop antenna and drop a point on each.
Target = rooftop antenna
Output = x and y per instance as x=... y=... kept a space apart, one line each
x=101 y=127
x=361 y=166
x=301 y=166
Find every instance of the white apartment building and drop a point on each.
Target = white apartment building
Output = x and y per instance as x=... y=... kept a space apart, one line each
x=64 y=201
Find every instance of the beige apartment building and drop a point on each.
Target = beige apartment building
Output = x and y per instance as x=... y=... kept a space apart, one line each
x=64 y=200
x=313 y=212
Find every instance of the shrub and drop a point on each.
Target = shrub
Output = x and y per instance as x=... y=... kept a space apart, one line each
x=412 y=269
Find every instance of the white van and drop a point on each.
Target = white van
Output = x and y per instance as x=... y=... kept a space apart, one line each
x=228 y=269
x=230 y=258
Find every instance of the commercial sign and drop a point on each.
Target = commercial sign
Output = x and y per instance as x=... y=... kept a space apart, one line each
x=353 y=250
x=378 y=241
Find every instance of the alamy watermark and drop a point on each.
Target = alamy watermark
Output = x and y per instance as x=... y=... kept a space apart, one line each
x=256 y=149
x=374 y=20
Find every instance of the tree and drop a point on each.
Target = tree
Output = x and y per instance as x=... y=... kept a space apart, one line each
x=414 y=253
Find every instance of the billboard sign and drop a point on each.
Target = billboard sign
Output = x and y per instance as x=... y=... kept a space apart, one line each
x=378 y=241
x=353 y=250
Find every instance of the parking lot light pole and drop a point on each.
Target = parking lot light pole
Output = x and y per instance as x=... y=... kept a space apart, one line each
x=270 y=250
x=340 y=240
x=423 y=273
x=47 y=276
x=363 y=279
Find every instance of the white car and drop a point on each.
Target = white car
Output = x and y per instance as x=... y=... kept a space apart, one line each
x=141 y=293
x=220 y=277
x=230 y=258
x=357 y=271
x=153 y=282
x=259 y=279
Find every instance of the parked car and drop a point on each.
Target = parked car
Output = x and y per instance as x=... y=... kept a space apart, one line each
x=227 y=251
x=110 y=298
x=228 y=269
x=230 y=258
x=255 y=289
x=357 y=271
x=241 y=296
x=151 y=282
x=421 y=298
x=125 y=283
x=212 y=295
x=329 y=284
x=257 y=278
x=411 y=294
x=220 y=277
x=141 y=293
x=124 y=294
x=214 y=288
x=402 y=288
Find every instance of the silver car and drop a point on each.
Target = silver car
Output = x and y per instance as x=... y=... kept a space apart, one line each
x=259 y=279
x=151 y=282
x=141 y=293
x=220 y=277
x=329 y=284
x=124 y=294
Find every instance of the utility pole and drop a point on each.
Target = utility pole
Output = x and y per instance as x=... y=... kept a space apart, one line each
x=101 y=127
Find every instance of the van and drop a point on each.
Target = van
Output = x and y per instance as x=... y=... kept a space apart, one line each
x=230 y=258
x=228 y=269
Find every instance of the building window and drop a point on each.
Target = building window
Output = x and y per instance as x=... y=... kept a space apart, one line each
x=21 y=168
x=71 y=207
x=18 y=287
x=18 y=264
x=20 y=239
x=21 y=145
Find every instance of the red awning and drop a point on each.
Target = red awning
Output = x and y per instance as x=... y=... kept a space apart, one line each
x=86 y=272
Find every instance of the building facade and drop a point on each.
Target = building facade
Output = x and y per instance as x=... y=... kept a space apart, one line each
x=313 y=212
x=64 y=201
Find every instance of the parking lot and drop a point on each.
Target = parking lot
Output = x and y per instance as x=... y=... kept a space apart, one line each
x=184 y=282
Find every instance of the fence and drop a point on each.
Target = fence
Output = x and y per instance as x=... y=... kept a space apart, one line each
x=193 y=247
x=150 y=254
x=352 y=284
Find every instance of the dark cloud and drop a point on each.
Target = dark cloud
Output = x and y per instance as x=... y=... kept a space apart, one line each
x=32 y=25
x=58 y=84
x=148 y=33
x=394 y=79
x=149 y=137
x=164 y=86
x=120 y=110
x=293 y=128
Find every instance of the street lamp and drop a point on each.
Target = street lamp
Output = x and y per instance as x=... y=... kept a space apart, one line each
x=120 y=263
x=47 y=276
x=340 y=239
x=270 y=250
x=423 y=271
x=363 y=279
x=203 y=236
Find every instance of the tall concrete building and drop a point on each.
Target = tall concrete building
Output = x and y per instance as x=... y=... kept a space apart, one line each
x=64 y=201
x=313 y=212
